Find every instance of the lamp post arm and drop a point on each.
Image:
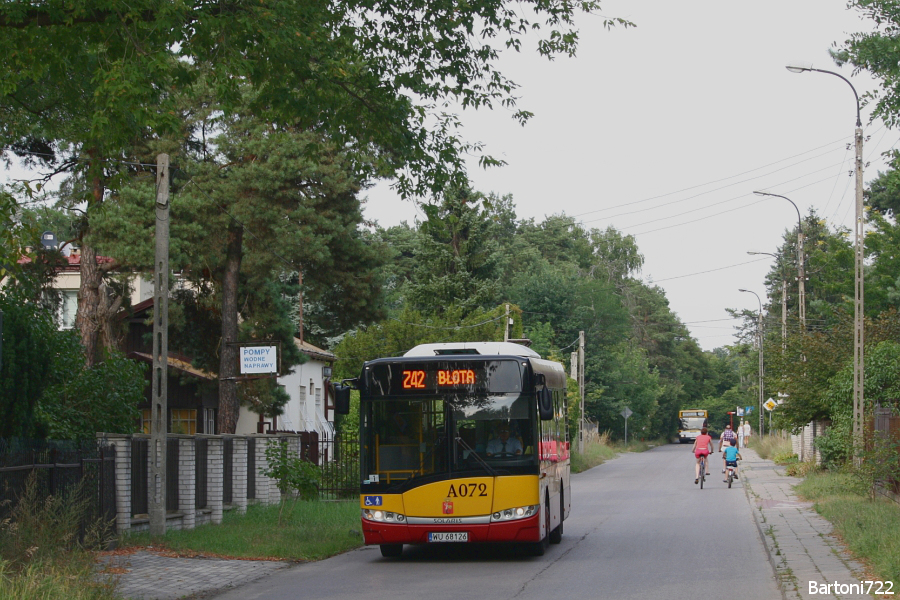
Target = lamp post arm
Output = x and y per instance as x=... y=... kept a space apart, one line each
x=801 y=69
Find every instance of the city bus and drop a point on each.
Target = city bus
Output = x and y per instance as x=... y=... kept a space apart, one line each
x=462 y=443
x=689 y=424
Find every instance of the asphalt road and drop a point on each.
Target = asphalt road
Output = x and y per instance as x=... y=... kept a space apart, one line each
x=639 y=528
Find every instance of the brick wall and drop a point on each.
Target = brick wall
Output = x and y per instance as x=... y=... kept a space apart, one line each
x=187 y=516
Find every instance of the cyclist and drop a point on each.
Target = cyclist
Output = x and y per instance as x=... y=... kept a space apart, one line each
x=731 y=457
x=702 y=447
x=727 y=436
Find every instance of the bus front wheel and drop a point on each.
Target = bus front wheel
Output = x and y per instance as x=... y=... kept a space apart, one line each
x=556 y=534
x=539 y=548
x=391 y=550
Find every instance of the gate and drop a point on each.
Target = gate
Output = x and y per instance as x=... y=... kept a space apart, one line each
x=339 y=462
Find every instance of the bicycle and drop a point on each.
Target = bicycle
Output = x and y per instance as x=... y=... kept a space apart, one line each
x=702 y=470
x=730 y=469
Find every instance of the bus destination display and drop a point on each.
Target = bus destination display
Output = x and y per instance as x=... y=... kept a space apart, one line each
x=415 y=380
x=489 y=376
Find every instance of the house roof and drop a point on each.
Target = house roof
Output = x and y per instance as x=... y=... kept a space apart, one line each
x=72 y=262
x=175 y=362
x=314 y=352
x=304 y=346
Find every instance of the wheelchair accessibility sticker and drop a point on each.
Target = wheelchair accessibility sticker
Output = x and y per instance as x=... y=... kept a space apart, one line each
x=372 y=500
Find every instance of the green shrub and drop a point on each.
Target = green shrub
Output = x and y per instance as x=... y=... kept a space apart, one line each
x=835 y=446
x=785 y=458
x=801 y=469
x=294 y=476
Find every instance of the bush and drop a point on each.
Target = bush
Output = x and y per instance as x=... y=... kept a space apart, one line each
x=835 y=445
x=291 y=473
x=80 y=402
x=801 y=469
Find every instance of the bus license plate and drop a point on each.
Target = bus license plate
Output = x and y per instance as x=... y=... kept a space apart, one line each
x=448 y=536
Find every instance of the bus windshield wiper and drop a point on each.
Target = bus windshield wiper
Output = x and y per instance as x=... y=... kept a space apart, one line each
x=486 y=466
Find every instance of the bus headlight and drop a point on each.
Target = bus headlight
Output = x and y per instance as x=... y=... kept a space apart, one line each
x=382 y=516
x=512 y=514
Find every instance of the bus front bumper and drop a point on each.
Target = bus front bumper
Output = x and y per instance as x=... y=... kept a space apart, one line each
x=521 y=530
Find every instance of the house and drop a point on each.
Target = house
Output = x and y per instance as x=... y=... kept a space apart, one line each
x=191 y=393
x=310 y=407
x=68 y=281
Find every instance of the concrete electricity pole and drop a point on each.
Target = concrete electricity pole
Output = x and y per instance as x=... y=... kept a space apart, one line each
x=159 y=405
x=581 y=390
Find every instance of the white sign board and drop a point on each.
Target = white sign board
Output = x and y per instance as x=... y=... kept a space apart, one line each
x=626 y=413
x=258 y=360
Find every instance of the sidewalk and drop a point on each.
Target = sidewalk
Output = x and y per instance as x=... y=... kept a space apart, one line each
x=797 y=539
x=148 y=575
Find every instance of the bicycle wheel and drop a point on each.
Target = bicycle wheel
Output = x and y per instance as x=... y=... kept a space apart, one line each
x=730 y=477
x=702 y=472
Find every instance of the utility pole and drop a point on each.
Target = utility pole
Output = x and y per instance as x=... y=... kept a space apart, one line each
x=581 y=390
x=783 y=315
x=506 y=325
x=159 y=405
x=858 y=311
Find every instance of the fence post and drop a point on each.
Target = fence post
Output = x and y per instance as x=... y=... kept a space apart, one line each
x=274 y=493
x=122 y=444
x=261 y=464
x=215 y=480
x=187 y=488
x=239 y=474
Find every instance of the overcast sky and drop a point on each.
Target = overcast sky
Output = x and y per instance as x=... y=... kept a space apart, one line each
x=664 y=131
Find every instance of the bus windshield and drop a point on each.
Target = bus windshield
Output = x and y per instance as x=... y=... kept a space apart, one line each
x=692 y=422
x=409 y=440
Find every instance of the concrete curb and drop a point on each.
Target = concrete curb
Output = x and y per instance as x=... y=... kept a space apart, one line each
x=758 y=518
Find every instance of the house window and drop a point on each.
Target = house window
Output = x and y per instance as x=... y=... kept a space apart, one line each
x=209 y=420
x=319 y=401
x=302 y=395
x=67 y=309
x=145 y=421
x=183 y=420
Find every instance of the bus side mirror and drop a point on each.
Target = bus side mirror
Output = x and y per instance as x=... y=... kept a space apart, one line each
x=545 y=404
x=341 y=399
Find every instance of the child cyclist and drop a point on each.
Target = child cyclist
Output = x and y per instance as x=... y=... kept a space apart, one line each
x=702 y=447
x=731 y=457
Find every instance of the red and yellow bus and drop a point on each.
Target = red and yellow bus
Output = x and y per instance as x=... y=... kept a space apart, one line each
x=462 y=443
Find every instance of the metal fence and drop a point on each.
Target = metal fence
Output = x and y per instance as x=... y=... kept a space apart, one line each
x=59 y=468
x=338 y=459
x=886 y=427
x=140 y=475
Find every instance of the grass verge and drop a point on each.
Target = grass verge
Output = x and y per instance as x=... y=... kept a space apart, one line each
x=308 y=531
x=599 y=450
x=868 y=527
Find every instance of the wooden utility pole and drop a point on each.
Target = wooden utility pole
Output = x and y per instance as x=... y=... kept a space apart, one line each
x=159 y=405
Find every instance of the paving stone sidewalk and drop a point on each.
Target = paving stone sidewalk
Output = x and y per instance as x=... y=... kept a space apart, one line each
x=798 y=540
x=147 y=575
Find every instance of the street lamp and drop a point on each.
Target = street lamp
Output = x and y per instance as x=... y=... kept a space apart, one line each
x=800 y=259
x=759 y=334
x=858 y=358
x=783 y=302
